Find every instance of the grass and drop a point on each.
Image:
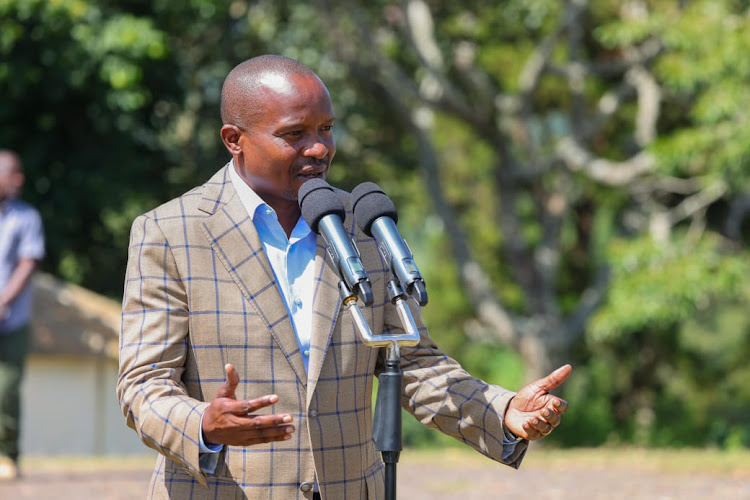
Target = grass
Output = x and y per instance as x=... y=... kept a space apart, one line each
x=683 y=461
x=86 y=463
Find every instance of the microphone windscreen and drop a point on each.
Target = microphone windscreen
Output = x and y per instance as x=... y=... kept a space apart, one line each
x=369 y=204
x=316 y=200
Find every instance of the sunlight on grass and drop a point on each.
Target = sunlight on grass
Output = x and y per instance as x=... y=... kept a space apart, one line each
x=683 y=461
x=707 y=461
x=82 y=463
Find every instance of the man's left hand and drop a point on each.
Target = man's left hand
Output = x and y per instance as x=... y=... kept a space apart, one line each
x=533 y=412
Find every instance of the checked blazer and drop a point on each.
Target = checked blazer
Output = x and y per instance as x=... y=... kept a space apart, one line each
x=200 y=293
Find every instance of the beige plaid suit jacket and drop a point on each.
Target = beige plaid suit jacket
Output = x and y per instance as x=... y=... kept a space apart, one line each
x=200 y=293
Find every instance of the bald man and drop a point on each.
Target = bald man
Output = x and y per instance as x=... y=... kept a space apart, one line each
x=21 y=249
x=238 y=363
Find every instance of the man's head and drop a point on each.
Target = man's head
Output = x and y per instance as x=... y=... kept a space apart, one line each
x=11 y=175
x=277 y=117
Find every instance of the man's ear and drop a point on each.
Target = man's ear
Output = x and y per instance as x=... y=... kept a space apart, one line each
x=230 y=135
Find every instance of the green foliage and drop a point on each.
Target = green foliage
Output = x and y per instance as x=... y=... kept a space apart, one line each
x=79 y=77
x=674 y=336
x=706 y=64
x=113 y=106
x=660 y=285
x=590 y=419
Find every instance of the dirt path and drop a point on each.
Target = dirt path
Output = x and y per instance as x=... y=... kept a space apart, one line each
x=441 y=475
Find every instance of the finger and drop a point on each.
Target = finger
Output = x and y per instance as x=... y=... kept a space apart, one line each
x=264 y=421
x=229 y=386
x=551 y=417
x=246 y=408
x=268 y=435
x=252 y=405
x=537 y=428
x=555 y=378
x=561 y=406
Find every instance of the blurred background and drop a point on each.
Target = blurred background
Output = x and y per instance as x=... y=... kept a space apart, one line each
x=572 y=176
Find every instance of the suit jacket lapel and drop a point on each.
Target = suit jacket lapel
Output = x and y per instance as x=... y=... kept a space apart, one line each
x=326 y=304
x=234 y=239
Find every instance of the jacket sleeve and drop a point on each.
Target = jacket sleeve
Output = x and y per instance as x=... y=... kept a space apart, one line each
x=153 y=350
x=440 y=394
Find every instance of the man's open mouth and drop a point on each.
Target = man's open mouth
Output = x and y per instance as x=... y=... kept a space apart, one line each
x=318 y=173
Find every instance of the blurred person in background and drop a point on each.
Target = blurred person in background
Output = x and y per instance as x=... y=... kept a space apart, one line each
x=21 y=249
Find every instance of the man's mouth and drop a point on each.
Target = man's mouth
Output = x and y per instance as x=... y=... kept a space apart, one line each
x=316 y=173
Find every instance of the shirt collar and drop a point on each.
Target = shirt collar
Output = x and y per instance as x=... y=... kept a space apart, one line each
x=255 y=205
x=249 y=198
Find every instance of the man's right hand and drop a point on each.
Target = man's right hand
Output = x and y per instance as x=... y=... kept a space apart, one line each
x=232 y=422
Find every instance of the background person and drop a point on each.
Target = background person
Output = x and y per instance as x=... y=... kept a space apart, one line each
x=21 y=249
x=238 y=363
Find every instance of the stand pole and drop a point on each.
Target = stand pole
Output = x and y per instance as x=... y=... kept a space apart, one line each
x=387 y=423
x=387 y=432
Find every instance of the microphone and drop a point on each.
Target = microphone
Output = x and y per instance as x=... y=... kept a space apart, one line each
x=324 y=212
x=376 y=216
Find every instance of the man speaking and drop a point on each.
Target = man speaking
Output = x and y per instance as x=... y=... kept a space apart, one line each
x=237 y=362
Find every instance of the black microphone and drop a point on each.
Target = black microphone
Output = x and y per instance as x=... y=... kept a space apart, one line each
x=376 y=216
x=324 y=212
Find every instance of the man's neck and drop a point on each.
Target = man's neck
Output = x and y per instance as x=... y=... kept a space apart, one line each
x=288 y=216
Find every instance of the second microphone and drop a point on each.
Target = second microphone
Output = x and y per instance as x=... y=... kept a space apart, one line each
x=376 y=216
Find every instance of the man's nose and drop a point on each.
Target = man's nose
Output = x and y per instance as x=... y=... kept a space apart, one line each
x=318 y=150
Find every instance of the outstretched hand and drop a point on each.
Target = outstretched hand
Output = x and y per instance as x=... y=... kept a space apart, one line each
x=232 y=422
x=533 y=412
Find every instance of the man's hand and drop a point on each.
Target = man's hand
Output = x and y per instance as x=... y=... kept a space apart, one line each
x=534 y=412
x=228 y=421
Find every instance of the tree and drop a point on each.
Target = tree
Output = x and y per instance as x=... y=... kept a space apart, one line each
x=569 y=100
x=114 y=108
x=583 y=162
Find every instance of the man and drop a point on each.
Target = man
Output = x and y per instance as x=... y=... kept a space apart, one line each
x=238 y=363
x=21 y=249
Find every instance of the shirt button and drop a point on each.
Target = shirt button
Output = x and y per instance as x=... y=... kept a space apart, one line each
x=269 y=211
x=298 y=302
x=313 y=413
x=306 y=353
x=305 y=487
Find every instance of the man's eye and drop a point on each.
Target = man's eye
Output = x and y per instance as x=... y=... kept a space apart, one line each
x=295 y=133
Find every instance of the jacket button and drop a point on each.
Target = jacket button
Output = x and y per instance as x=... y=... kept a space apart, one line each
x=313 y=413
x=305 y=487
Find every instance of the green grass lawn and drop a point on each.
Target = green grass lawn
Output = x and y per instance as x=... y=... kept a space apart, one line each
x=727 y=463
x=713 y=461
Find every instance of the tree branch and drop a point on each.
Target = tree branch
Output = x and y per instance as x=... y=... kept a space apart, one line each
x=649 y=99
x=607 y=172
x=436 y=89
x=698 y=202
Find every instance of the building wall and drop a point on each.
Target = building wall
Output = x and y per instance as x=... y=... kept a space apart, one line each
x=69 y=407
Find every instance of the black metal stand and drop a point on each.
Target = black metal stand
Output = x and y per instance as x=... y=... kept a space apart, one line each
x=387 y=424
x=387 y=431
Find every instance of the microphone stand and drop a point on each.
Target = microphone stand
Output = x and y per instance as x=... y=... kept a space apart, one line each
x=387 y=425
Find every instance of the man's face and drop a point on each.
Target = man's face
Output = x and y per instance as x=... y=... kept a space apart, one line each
x=11 y=177
x=288 y=138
